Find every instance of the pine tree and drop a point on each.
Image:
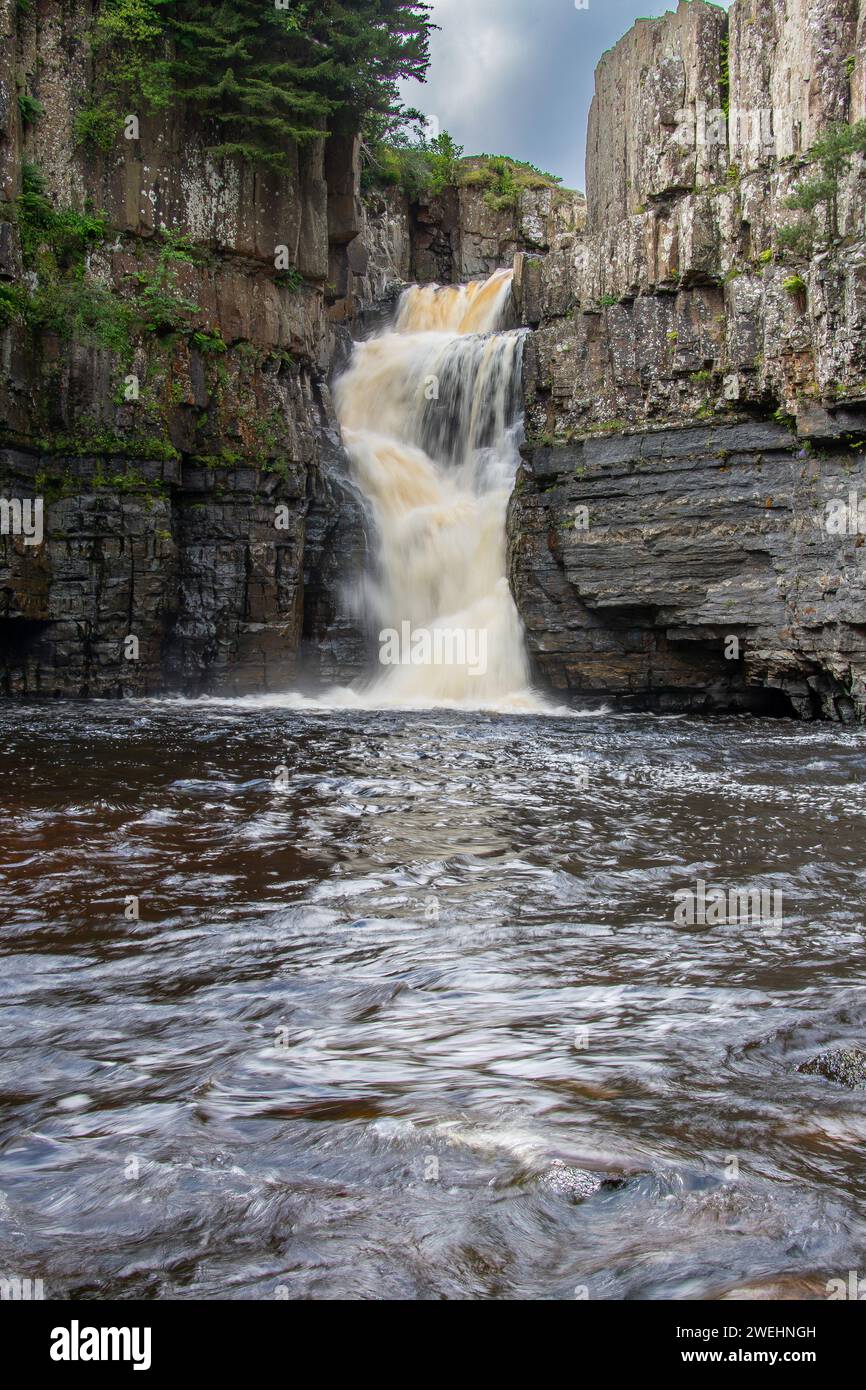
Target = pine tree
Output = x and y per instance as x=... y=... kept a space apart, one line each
x=268 y=77
x=250 y=68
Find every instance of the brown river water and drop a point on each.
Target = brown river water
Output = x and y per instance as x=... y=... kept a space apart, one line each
x=371 y=999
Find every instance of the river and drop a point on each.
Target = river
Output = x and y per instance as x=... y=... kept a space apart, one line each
x=388 y=970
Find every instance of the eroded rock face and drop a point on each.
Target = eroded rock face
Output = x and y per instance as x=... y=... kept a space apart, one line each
x=676 y=302
x=197 y=528
x=209 y=517
x=791 y=69
x=661 y=68
x=677 y=308
x=232 y=575
x=692 y=569
x=387 y=239
x=815 y=72
x=457 y=236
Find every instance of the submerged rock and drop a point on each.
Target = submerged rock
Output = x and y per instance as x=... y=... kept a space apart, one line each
x=846 y=1066
x=574 y=1183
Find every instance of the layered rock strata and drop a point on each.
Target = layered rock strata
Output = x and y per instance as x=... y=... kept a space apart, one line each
x=701 y=388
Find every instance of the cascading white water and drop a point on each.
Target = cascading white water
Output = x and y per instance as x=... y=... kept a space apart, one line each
x=429 y=412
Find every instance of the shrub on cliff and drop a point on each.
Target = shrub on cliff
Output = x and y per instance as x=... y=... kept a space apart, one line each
x=397 y=166
x=394 y=157
x=161 y=309
x=60 y=236
x=67 y=300
x=832 y=154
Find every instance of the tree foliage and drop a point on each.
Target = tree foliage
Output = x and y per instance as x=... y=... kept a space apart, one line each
x=833 y=154
x=266 y=77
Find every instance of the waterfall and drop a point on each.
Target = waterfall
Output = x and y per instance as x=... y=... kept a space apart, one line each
x=430 y=413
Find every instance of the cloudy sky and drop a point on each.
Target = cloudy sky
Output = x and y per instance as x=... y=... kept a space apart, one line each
x=516 y=76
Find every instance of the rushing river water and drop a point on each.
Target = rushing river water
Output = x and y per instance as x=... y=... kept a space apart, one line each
x=372 y=997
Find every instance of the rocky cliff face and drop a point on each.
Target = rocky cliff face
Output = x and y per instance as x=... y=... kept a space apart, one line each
x=460 y=237
x=190 y=470
x=691 y=569
x=679 y=307
x=454 y=237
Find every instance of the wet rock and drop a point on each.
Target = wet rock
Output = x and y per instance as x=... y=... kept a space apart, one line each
x=845 y=1066
x=335 y=646
x=574 y=1183
x=690 y=569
